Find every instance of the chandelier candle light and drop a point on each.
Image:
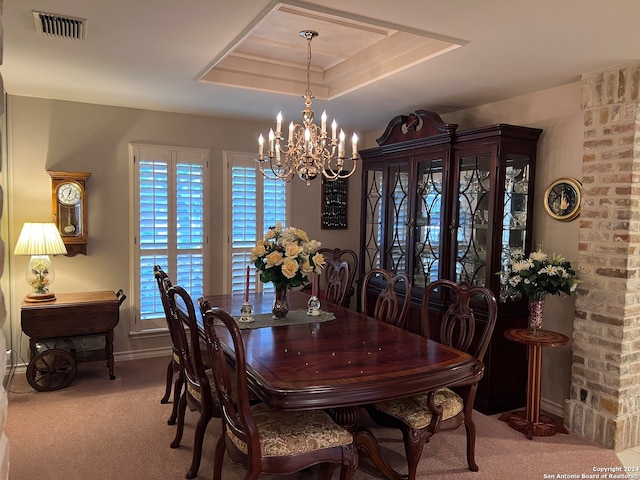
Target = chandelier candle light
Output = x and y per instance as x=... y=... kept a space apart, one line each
x=309 y=151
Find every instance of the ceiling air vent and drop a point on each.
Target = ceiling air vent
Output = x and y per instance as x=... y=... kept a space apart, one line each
x=60 y=26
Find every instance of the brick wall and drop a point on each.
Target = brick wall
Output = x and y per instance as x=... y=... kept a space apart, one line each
x=604 y=402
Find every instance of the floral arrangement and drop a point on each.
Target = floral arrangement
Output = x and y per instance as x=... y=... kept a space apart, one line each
x=39 y=279
x=285 y=256
x=537 y=275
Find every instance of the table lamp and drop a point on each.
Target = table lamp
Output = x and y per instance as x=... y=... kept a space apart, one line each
x=40 y=240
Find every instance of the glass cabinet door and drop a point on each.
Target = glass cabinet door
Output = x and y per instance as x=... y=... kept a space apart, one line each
x=515 y=204
x=398 y=217
x=372 y=220
x=427 y=250
x=473 y=222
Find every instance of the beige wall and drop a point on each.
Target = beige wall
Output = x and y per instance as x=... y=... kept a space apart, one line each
x=67 y=136
x=50 y=134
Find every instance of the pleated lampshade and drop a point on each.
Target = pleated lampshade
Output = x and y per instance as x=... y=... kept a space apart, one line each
x=40 y=240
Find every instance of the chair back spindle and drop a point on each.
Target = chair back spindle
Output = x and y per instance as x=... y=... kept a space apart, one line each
x=337 y=281
x=393 y=296
x=340 y=255
x=458 y=323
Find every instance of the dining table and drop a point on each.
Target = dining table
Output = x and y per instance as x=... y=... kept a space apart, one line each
x=339 y=361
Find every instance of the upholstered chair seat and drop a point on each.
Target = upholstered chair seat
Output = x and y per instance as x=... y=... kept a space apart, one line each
x=415 y=412
x=294 y=433
x=194 y=390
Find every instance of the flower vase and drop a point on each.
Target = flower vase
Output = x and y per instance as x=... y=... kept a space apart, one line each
x=280 y=302
x=536 y=313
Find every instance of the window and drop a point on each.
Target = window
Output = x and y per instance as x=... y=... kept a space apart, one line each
x=256 y=204
x=170 y=191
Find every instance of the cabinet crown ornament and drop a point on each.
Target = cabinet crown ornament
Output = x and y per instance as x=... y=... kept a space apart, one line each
x=418 y=124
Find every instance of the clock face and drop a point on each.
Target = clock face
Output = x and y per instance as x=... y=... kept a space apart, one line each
x=562 y=199
x=69 y=193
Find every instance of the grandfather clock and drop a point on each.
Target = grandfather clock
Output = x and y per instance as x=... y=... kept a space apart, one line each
x=69 y=209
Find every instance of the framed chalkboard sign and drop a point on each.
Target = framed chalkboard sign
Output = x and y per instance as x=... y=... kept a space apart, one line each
x=334 y=204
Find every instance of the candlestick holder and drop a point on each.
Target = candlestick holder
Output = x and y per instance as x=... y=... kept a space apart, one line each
x=246 y=313
x=313 y=306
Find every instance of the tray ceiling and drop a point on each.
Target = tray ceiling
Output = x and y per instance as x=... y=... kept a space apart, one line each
x=349 y=53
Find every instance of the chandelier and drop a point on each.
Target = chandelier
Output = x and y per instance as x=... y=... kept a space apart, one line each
x=309 y=151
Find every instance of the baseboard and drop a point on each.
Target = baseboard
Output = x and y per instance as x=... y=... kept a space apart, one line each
x=21 y=368
x=146 y=353
x=552 y=408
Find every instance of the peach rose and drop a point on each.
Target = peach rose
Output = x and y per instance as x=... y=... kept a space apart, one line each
x=289 y=268
x=274 y=259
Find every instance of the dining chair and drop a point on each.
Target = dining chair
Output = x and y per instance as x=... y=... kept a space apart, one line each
x=392 y=296
x=336 y=281
x=421 y=416
x=340 y=255
x=174 y=363
x=265 y=440
x=199 y=394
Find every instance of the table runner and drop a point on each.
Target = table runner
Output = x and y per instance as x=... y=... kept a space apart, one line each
x=294 y=317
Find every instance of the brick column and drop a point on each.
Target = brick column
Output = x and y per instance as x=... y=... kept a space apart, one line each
x=604 y=403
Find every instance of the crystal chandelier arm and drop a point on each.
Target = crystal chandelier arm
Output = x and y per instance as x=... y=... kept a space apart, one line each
x=272 y=171
x=308 y=151
x=335 y=174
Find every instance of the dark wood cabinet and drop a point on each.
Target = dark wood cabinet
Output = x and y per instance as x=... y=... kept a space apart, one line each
x=438 y=203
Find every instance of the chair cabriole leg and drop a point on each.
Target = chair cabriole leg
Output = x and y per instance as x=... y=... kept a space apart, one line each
x=167 y=392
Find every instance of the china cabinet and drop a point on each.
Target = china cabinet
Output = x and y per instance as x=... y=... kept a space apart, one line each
x=442 y=203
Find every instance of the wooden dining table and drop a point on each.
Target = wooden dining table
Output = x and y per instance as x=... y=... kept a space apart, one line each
x=341 y=364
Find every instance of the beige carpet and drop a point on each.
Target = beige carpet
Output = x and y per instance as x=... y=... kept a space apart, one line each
x=108 y=430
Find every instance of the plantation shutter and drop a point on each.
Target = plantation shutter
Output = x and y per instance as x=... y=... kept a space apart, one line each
x=171 y=213
x=256 y=204
x=244 y=222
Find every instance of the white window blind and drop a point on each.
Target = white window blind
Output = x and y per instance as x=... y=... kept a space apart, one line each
x=170 y=224
x=256 y=204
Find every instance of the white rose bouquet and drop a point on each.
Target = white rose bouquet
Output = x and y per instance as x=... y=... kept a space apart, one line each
x=285 y=256
x=537 y=275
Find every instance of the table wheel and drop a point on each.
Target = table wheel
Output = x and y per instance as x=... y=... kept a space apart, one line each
x=51 y=369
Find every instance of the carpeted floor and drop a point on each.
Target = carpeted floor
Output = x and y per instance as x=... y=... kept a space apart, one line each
x=107 y=430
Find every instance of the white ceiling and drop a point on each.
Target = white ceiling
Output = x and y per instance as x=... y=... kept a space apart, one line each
x=151 y=54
